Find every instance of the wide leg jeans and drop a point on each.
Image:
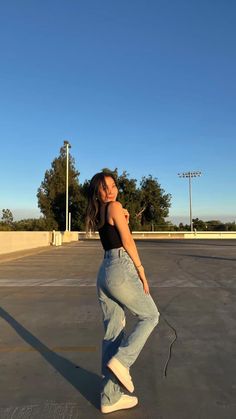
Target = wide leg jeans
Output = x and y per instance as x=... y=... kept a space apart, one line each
x=119 y=287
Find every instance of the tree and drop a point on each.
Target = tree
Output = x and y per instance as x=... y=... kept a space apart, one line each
x=199 y=224
x=52 y=193
x=154 y=202
x=32 y=224
x=215 y=225
x=147 y=204
x=129 y=197
x=7 y=216
x=82 y=206
x=230 y=226
x=7 y=220
x=183 y=227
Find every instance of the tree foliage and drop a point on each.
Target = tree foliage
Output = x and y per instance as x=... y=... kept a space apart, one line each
x=211 y=225
x=52 y=193
x=6 y=223
x=7 y=216
x=147 y=204
x=155 y=203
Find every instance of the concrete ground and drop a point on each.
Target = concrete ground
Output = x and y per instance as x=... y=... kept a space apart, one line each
x=51 y=330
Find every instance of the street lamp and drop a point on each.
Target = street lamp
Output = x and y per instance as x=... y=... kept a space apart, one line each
x=67 y=145
x=189 y=175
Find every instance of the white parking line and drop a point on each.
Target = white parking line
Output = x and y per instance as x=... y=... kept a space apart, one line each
x=53 y=282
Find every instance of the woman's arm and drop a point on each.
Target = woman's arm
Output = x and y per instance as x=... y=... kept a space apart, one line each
x=116 y=212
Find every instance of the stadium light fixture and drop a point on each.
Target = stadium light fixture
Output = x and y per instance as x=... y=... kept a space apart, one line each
x=190 y=175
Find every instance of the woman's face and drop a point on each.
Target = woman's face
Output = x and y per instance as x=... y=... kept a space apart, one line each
x=111 y=191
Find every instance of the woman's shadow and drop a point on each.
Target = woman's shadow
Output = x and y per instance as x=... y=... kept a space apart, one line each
x=86 y=382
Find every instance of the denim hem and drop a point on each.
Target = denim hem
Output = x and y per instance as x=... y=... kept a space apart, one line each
x=121 y=361
x=111 y=404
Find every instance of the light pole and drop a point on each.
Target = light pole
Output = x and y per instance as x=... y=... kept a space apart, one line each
x=189 y=175
x=67 y=145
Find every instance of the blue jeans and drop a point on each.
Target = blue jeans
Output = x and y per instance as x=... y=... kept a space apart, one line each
x=119 y=286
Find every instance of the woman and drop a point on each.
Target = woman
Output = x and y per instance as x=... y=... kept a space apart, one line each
x=121 y=283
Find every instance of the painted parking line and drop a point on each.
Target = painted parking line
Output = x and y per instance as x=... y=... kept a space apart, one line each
x=8 y=348
x=58 y=283
x=45 y=283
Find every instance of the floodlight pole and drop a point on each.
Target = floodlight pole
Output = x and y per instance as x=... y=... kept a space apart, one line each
x=67 y=144
x=189 y=175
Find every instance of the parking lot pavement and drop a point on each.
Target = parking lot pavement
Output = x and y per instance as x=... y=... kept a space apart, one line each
x=51 y=331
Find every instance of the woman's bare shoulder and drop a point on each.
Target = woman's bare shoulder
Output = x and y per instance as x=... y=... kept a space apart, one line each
x=115 y=205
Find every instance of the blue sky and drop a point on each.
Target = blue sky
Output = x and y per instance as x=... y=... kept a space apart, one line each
x=144 y=86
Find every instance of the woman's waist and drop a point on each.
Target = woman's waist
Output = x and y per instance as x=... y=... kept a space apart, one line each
x=114 y=253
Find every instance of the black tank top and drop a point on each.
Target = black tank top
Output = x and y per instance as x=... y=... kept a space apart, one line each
x=109 y=234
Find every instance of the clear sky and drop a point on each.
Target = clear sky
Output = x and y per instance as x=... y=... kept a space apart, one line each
x=147 y=86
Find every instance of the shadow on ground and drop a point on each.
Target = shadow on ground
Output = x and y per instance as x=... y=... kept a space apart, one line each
x=86 y=382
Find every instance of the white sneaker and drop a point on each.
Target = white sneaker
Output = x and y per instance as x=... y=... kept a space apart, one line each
x=125 y=402
x=122 y=373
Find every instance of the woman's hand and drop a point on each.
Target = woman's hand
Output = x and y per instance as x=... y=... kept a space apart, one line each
x=146 y=287
x=126 y=214
x=143 y=278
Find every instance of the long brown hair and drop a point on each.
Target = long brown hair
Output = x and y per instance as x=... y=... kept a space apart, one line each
x=94 y=205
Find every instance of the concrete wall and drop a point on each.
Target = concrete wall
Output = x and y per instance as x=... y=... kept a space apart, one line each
x=172 y=235
x=13 y=241
x=210 y=235
x=70 y=236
